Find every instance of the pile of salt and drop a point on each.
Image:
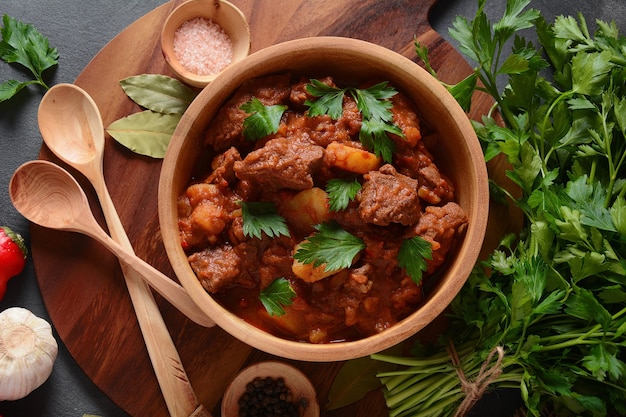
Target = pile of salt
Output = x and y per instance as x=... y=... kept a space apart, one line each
x=202 y=47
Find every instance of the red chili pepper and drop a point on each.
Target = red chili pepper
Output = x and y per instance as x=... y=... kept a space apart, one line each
x=13 y=254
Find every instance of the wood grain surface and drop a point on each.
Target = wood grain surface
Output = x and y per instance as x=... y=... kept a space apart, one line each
x=82 y=284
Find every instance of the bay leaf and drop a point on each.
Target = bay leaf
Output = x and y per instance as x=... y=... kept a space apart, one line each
x=158 y=93
x=146 y=133
x=357 y=377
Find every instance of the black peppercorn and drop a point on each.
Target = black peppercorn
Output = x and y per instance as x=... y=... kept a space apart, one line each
x=270 y=397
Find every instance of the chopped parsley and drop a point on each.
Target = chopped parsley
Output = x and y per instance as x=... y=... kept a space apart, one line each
x=262 y=120
x=413 y=255
x=329 y=100
x=330 y=246
x=276 y=296
x=262 y=217
x=341 y=191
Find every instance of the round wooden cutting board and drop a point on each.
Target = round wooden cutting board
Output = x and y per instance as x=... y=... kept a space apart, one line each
x=82 y=284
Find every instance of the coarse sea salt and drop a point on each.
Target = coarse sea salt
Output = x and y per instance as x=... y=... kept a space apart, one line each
x=202 y=47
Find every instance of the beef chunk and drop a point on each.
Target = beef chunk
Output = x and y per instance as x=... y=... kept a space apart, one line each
x=440 y=226
x=418 y=163
x=217 y=268
x=389 y=197
x=223 y=173
x=281 y=163
x=220 y=267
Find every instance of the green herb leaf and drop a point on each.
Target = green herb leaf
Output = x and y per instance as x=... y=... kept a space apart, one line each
x=602 y=361
x=341 y=191
x=373 y=102
x=158 y=93
x=584 y=305
x=589 y=200
x=262 y=217
x=262 y=120
x=590 y=72
x=373 y=135
x=330 y=245
x=23 y=44
x=618 y=215
x=146 y=133
x=413 y=255
x=330 y=100
x=276 y=296
x=10 y=88
x=463 y=91
x=553 y=295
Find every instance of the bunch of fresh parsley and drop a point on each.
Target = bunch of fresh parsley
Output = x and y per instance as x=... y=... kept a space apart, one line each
x=23 y=44
x=553 y=296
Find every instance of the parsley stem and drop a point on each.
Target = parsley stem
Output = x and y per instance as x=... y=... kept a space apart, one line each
x=544 y=127
x=593 y=336
x=612 y=179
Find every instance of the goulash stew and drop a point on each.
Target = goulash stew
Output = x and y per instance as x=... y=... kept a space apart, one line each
x=319 y=214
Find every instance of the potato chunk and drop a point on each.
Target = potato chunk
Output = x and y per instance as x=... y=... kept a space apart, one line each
x=309 y=273
x=305 y=209
x=351 y=159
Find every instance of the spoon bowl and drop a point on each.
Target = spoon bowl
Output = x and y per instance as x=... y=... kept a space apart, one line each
x=70 y=122
x=49 y=196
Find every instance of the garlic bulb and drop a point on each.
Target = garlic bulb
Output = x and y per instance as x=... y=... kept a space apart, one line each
x=27 y=352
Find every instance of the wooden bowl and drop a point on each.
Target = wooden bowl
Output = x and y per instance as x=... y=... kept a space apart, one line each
x=221 y=12
x=295 y=380
x=459 y=156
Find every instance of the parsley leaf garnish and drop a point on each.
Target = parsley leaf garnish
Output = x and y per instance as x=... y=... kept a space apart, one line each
x=21 y=43
x=373 y=102
x=374 y=105
x=330 y=100
x=341 y=191
x=262 y=120
x=262 y=217
x=374 y=136
x=330 y=245
x=413 y=255
x=276 y=296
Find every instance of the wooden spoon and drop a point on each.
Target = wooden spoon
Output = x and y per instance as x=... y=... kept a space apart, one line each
x=48 y=195
x=71 y=126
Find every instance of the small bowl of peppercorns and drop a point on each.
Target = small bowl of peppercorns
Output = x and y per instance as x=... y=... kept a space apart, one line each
x=270 y=389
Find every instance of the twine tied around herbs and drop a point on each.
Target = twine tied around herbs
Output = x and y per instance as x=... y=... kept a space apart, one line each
x=475 y=389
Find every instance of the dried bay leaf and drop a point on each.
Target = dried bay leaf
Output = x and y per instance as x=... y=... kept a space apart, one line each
x=357 y=377
x=146 y=133
x=158 y=93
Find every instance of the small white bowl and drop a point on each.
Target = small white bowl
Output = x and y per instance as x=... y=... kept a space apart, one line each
x=220 y=12
x=296 y=381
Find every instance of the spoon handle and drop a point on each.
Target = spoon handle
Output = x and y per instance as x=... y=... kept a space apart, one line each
x=169 y=289
x=175 y=386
